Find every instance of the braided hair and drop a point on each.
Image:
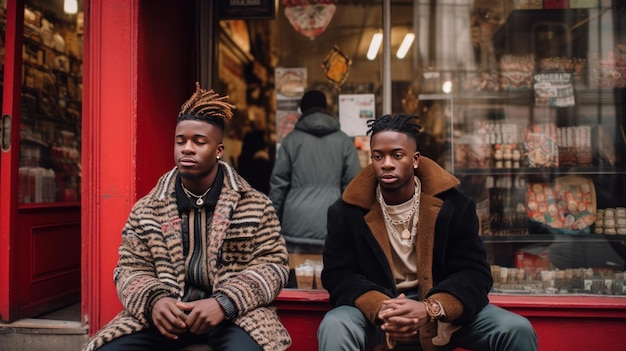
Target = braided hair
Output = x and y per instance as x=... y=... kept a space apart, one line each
x=207 y=106
x=402 y=123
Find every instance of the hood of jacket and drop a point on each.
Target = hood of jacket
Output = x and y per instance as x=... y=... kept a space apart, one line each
x=317 y=123
x=434 y=180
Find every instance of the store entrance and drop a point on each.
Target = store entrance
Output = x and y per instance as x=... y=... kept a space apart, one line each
x=40 y=179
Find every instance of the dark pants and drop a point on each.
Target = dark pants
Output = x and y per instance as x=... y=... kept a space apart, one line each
x=224 y=337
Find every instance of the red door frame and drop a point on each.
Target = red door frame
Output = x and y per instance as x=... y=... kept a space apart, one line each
x=138 y=69
x=11 y=97
x=109 y=126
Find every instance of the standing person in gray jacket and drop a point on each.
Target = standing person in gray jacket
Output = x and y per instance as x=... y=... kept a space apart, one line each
x=314 y=164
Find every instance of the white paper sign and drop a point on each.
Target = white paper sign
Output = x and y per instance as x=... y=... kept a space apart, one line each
x=354 y=112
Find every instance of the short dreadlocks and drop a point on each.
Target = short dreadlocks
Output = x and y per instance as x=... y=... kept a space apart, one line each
x=402 y=123
x=206 y=106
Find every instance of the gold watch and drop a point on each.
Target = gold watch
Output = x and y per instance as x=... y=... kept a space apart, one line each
x=434 y=309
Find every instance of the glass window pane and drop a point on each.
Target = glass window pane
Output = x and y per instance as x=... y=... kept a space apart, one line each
x=50 y=169
x=531 y=99
x=514 y=97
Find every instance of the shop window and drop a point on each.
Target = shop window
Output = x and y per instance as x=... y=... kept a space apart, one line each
x=513 y=96
x=51 y=106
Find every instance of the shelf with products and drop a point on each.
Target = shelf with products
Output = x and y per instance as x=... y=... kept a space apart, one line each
x=538 y=218
x=537 y=139
x=589 y=170
x=51 y=107
x=550 y=237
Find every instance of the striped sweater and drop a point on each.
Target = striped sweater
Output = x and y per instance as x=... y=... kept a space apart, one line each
x=246 y=260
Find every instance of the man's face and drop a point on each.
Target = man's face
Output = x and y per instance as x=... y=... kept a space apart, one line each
x=394 y=158
x=196 y=148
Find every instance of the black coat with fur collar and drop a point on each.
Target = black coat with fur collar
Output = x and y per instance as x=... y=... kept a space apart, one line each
x=451 y=259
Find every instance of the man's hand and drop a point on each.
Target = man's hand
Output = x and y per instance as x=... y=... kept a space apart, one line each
x=168 y=318
x=402 y=317
x=203 y=315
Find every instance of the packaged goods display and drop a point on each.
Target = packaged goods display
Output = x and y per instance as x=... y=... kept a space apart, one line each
x=537 y=139
x=554 y=281
x=50 y=121
x=567 y=205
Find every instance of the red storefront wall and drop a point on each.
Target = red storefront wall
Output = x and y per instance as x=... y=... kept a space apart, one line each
x=139 y=65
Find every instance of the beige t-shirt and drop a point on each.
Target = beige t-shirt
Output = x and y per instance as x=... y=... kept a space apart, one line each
x=404 y=260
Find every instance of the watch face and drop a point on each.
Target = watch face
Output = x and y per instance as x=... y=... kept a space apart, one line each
x=433 y=308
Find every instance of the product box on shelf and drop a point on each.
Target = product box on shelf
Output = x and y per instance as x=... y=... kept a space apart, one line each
x=541 y=145
x=516 y=71
x=574 y=144
x=573 y=65
x=566 y=206
x=553 y=89
x=506 y=211
x=532 y=262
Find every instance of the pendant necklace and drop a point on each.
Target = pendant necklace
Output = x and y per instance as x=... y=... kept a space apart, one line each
x=190 y=195
x=407 y=237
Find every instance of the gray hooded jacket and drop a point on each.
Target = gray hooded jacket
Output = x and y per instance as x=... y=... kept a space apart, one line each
x=314 y=164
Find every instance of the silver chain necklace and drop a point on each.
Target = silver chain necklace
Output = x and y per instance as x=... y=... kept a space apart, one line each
x=406 y=238
x=190 y=195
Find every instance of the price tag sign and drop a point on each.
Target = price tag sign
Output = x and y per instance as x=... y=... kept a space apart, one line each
x=553 y=89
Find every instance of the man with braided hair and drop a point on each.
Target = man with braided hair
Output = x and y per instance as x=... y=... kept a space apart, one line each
x=403 y=262
x=201 y=259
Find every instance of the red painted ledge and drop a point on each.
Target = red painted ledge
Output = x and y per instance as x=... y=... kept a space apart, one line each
x=589 y=302
x=562 y=322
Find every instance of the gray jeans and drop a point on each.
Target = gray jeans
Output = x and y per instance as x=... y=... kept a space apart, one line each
x=345 y=328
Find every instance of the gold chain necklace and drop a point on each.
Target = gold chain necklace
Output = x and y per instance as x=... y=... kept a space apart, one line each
x=190 y=195
x=407 y=238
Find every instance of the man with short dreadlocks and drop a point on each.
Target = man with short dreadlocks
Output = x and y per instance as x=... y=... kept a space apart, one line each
x=403 y=262
x=201 y=259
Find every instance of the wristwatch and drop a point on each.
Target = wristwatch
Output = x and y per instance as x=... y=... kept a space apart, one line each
x=434 y=309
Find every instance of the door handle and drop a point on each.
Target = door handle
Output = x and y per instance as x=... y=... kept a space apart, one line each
x=5 y=132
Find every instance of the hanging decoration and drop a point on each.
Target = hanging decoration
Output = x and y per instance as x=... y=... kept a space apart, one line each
x=309 y=17
x=337 y=66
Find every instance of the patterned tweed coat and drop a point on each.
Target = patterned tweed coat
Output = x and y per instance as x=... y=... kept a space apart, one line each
x=247 y=260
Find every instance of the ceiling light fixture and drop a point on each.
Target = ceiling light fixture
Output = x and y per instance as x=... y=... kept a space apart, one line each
x=70 y=6
x=377 y=40
x=406 y=44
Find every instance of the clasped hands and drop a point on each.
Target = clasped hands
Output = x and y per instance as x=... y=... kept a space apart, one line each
x=402 y=317
x=172 y=317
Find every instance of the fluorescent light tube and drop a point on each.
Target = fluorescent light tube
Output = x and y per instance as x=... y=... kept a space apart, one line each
x=405 y=46
x=377 y=40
